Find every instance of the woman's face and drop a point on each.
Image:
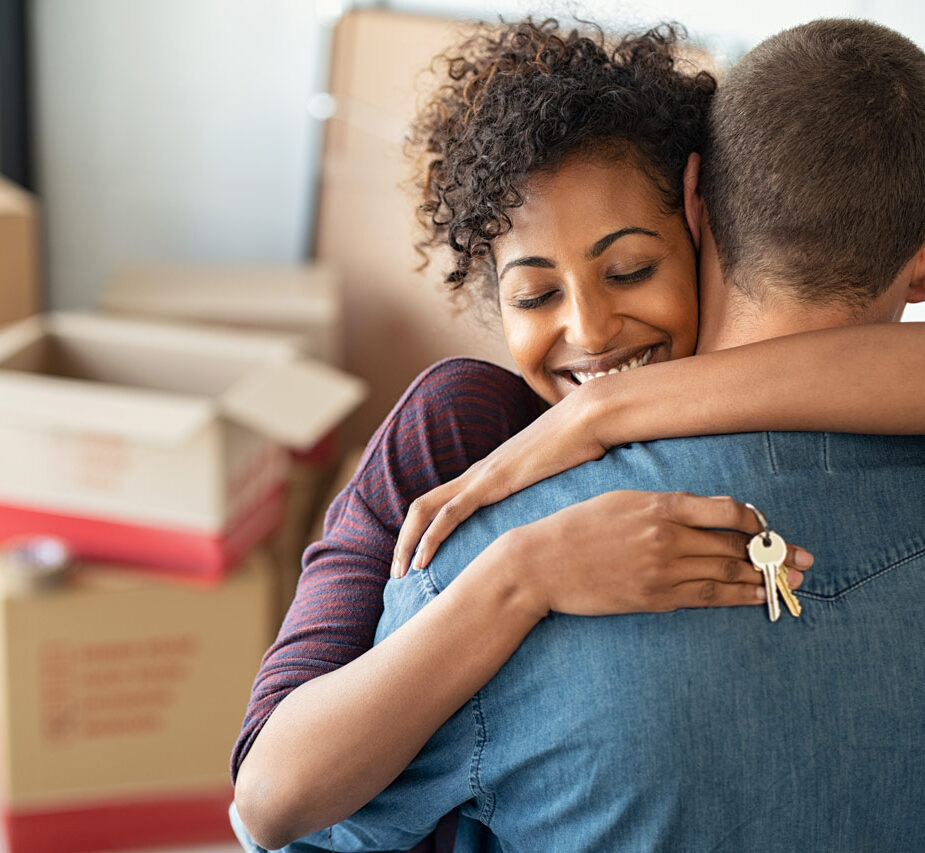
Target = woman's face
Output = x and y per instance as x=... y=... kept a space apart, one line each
x=594 y=277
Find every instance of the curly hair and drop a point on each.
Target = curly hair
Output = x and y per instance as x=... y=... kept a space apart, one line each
x=522 y=97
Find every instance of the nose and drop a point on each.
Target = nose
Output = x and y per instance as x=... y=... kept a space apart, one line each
x=592 y=321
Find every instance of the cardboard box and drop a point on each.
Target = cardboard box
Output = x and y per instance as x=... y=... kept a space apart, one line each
x=19 y=253
x=120 y=698
x=303 y=300
x=155 y=444
x=365 y=224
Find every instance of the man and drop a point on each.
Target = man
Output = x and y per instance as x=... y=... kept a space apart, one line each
x=720 y=730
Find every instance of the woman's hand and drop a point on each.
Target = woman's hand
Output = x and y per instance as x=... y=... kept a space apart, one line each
x=642 y=552
x=561 y=438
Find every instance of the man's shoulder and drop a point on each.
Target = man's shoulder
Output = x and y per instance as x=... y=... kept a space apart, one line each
x=764 y=453
x=749 y=466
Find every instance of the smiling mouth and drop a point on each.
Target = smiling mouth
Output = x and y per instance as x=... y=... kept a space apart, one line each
x=579 y=377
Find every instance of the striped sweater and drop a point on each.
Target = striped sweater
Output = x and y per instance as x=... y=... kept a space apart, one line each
x=454 y=414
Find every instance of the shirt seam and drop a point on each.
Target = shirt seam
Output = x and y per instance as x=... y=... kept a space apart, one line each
x=487 y=809
x=486 y=798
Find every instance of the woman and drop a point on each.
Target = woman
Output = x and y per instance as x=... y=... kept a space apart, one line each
x=546 y=156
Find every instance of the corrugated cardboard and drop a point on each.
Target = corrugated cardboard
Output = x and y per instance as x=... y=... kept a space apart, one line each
x=121 y=697
x=398 y=322
x=167 y=427
x=19 y=253
x=303 y=300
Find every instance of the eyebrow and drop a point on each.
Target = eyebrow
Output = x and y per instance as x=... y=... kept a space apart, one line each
x=594 y=252
x=598 y=248
x=532 y=261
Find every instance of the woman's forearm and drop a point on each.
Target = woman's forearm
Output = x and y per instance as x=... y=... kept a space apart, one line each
x=866 y=379
x=315 y=762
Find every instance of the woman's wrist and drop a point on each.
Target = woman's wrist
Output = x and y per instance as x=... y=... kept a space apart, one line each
x=507 y=572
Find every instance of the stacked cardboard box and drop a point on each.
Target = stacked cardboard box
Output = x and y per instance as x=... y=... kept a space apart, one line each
x=153 y=448
x=153 y=444
x=121 y=696
x=305 y=301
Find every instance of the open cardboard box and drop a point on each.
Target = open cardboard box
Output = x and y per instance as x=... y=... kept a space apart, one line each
x=303 y=300
x=155 y=444
x=121 y=695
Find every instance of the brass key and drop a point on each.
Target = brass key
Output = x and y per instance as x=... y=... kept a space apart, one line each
x=793 y=604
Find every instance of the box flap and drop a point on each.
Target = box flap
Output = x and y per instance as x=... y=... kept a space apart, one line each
x=251 y=345
x=295 y=404
x=70 y=406
x=18 y=336
x=297 y=298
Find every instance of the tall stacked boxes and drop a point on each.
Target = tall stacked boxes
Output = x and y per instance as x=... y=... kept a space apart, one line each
x=365 y=225
x=151 y=449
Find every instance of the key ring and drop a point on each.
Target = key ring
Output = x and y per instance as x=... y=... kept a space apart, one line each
x=765 y=538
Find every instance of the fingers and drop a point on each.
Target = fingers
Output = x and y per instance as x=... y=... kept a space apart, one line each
x=730 y=515
x=449 y=517
x=715 y=594
x=719 y=512
x=431 y=518
x=725 y=571
x=420 y=514
x=694 y=542
x=798 y=558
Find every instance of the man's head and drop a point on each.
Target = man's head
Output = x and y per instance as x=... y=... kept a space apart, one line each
x=814 y=175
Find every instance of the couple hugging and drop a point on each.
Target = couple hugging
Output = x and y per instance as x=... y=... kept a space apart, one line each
x=586 y=664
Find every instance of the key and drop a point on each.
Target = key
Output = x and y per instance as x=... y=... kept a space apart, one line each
x=767 y=552
x=793 y=604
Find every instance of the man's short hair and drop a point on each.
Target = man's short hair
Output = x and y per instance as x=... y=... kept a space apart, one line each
x=814 y=174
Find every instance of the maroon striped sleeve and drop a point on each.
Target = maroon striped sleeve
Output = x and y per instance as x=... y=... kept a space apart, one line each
x=454 y=414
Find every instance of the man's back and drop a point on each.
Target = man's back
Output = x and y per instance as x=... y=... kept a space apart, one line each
x=713 y=729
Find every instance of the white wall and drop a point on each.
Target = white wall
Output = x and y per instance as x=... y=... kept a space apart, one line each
x=171 y=129
x=178 y=130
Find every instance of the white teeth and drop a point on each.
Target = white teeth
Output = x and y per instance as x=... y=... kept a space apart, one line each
x=633 y=363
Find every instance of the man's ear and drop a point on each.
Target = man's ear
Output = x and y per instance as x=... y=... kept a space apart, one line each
x=916 y=291
x=693 y=202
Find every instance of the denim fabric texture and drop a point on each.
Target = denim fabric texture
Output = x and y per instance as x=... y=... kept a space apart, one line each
x=702 y=729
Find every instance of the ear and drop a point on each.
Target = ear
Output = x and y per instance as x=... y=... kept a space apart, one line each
x=693 y=202
x=916 y=291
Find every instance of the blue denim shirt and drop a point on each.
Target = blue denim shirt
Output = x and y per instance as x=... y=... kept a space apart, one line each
x=702 y=729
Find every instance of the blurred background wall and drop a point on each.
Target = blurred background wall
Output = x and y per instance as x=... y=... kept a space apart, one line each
x=191 y=131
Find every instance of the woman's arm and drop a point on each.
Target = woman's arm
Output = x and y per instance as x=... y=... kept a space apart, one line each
x=335 y=742
x=865 y=379
x=451 y=416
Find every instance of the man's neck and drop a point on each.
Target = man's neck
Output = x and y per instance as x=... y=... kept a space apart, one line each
x=729 y=317
x=740 y=320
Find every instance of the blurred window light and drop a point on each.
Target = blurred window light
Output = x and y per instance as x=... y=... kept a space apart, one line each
x=322 y=106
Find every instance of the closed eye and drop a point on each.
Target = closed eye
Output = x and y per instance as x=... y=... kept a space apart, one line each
x=633 y=277
x=528 y=302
